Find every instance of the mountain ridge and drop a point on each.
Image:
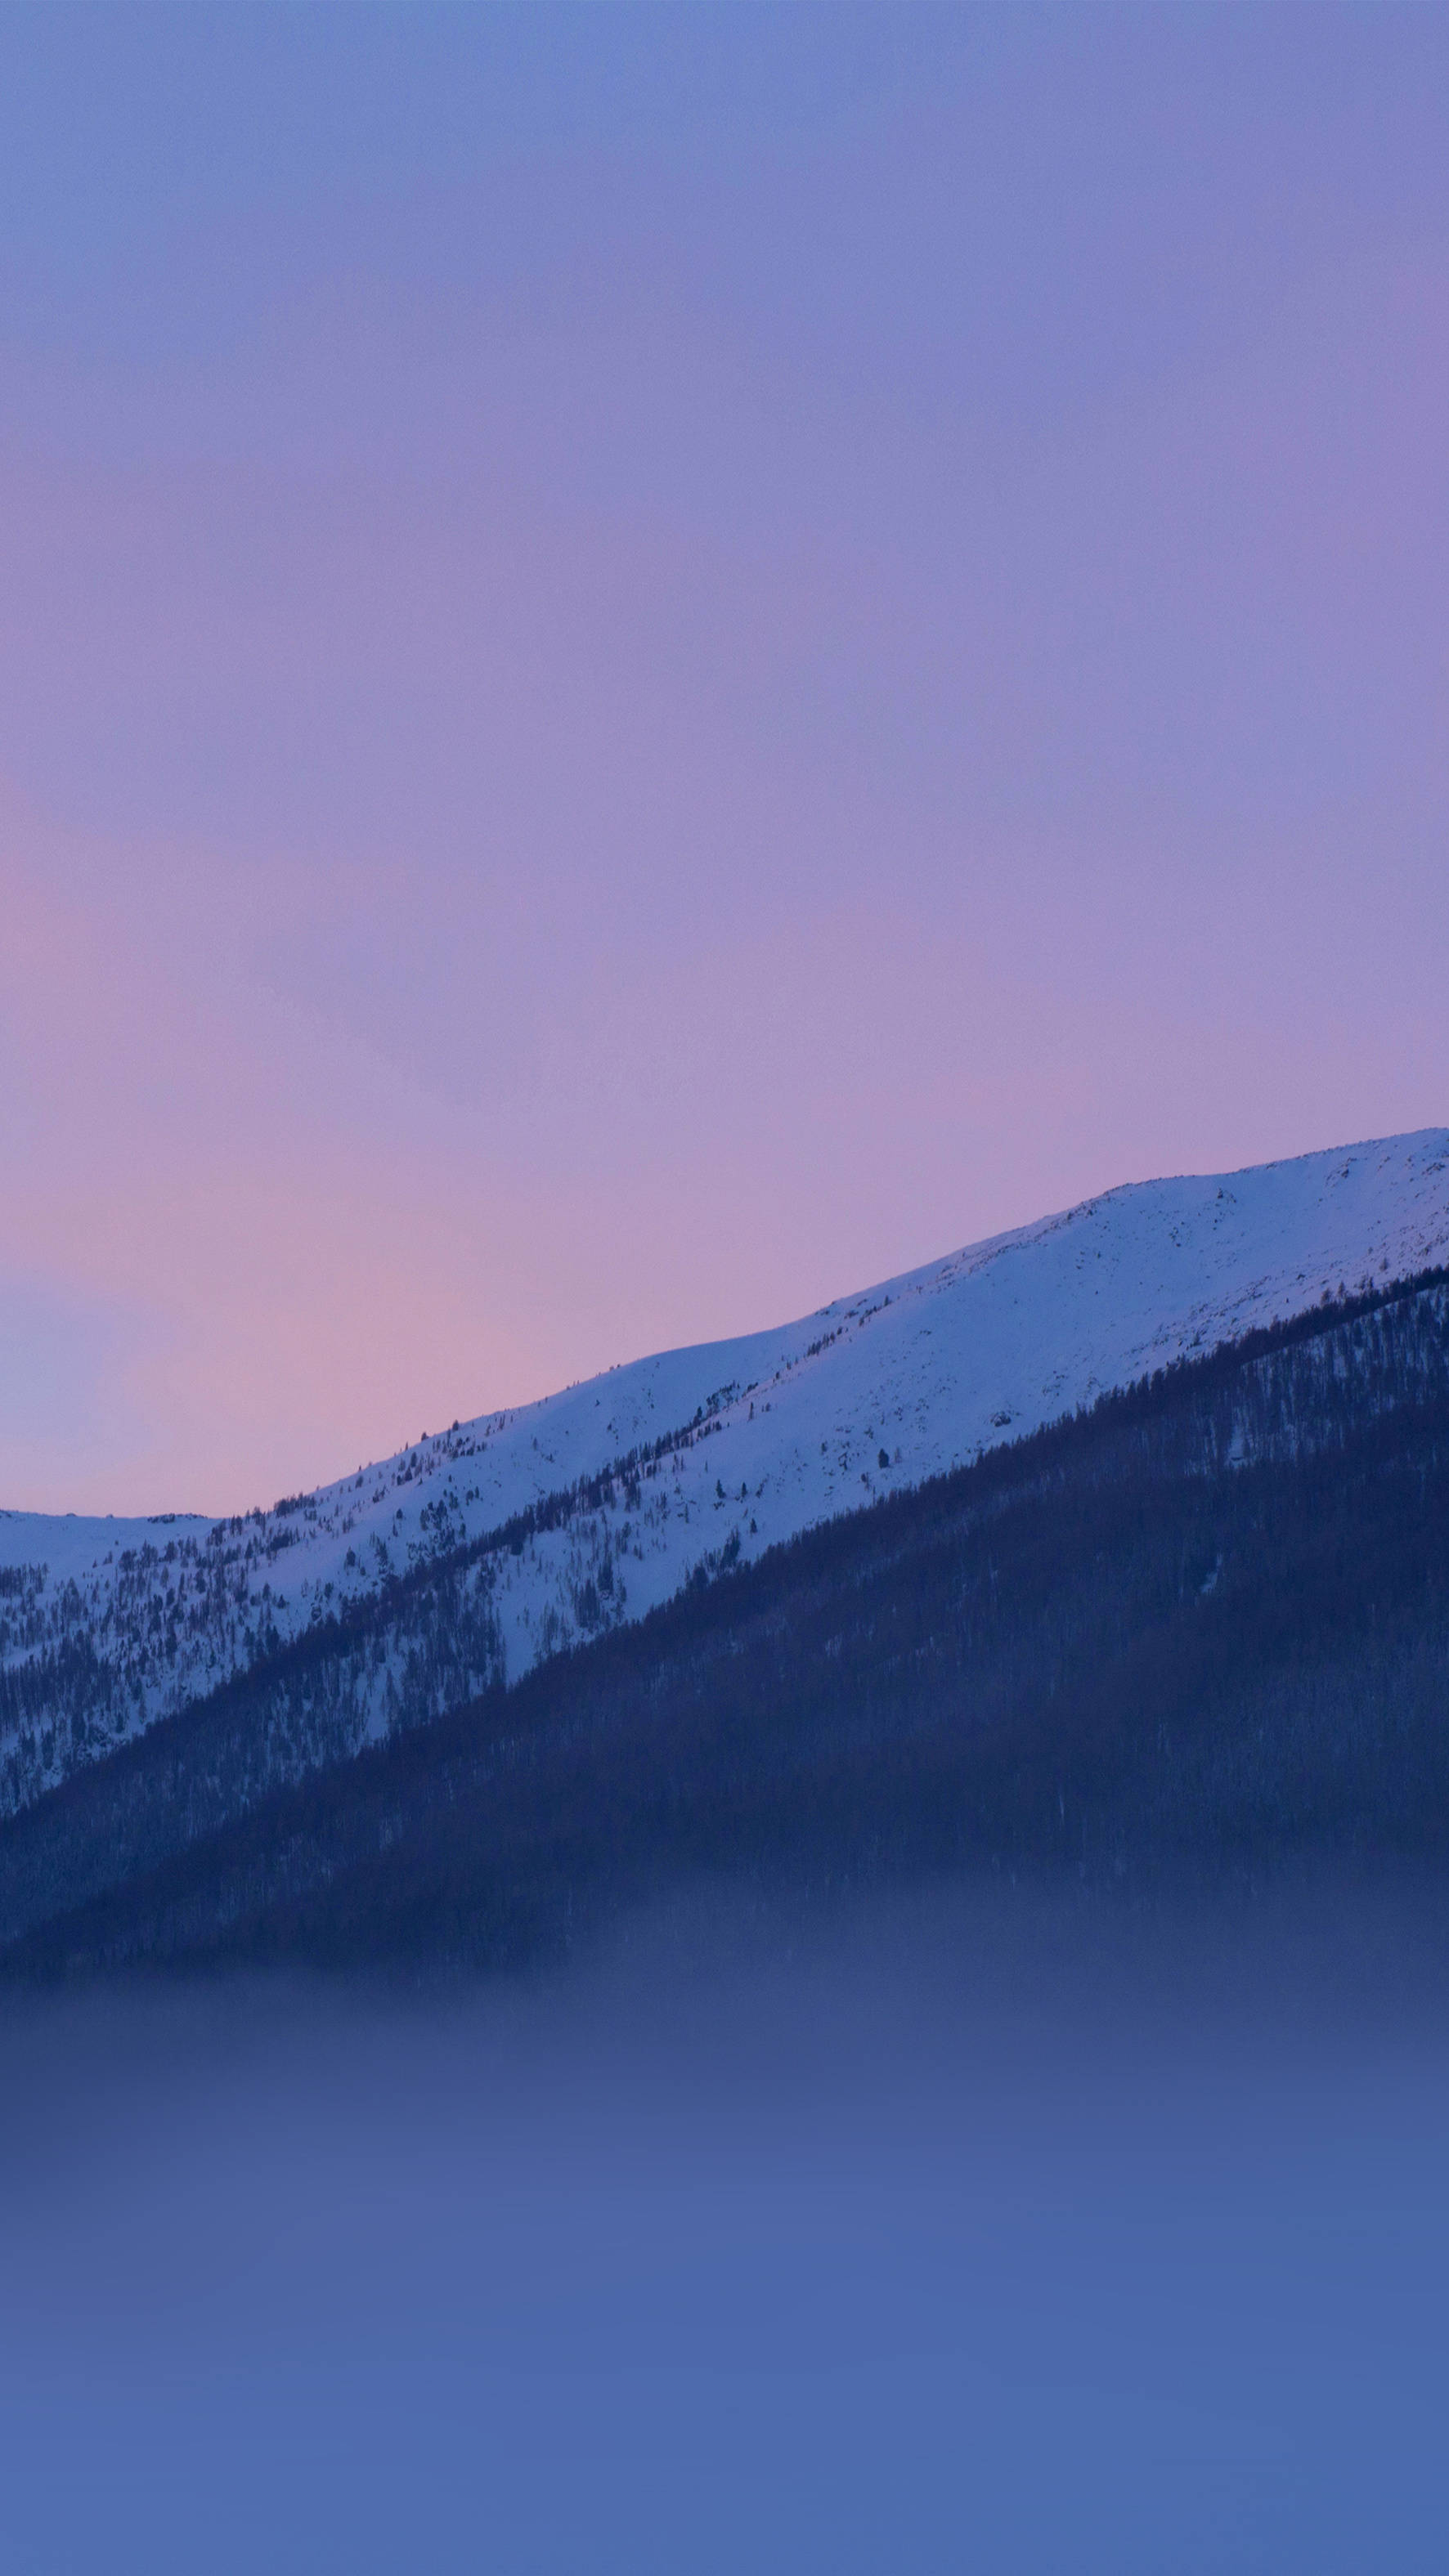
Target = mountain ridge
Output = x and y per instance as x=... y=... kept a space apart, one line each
x=1202 y=1625
x=608 y=1498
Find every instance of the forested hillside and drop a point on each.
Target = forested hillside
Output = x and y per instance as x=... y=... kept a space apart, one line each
x=491 y=1546
x=1198 y=1627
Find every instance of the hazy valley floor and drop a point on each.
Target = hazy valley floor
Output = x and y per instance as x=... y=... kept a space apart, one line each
x=998 y=2231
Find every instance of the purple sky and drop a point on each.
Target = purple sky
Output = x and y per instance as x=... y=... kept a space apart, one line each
x=656 y=662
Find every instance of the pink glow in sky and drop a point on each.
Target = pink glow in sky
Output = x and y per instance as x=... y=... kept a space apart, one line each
x=654 y=663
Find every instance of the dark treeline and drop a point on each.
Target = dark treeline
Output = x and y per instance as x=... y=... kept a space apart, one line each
x=1198 y=1628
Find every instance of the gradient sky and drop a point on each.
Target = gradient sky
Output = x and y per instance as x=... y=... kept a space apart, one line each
x=654 y=662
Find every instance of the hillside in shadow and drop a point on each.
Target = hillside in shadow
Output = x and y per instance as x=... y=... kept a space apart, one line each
x=1197 y=1630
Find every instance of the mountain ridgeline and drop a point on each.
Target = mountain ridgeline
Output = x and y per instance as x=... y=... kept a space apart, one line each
x=536 y=1530
x=1199 y=1626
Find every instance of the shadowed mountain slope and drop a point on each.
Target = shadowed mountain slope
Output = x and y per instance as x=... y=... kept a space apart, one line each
x=1199 y=1626
x=474 y=1556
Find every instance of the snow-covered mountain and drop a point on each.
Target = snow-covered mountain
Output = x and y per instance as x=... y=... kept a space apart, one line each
x=591 y=1506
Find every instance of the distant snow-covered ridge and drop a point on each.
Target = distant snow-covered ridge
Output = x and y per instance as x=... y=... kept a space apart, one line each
x=602 y=1501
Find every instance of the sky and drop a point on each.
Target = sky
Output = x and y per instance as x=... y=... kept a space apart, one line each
x=655 y=662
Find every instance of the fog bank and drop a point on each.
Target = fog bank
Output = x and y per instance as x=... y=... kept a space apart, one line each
x=986 y=2232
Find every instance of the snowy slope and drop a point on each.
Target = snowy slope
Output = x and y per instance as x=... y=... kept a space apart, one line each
x=698 y=1456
